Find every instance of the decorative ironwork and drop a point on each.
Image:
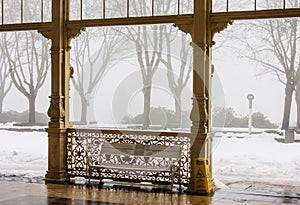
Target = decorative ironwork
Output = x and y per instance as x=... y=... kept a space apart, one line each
x=84 y=142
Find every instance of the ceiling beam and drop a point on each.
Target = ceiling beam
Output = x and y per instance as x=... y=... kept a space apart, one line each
x=24 y=26
x=177 y=19
x=250 y=15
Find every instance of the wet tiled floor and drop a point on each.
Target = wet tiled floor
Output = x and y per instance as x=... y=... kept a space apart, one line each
x=19 y=193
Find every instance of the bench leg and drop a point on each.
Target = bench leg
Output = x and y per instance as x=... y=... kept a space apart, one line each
x=179 y=181
x=100 y=178
x=172 y=177
x=89 y=175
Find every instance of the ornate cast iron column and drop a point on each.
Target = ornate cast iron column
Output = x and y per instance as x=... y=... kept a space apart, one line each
x=199 y=114
x=202 y=32
x=58 y=110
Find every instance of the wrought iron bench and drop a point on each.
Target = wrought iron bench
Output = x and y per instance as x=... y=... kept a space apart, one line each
x=136 y=159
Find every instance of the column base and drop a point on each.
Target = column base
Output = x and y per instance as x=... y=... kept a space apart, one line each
x=58 y=177
x=199 y=193
x=208 y=191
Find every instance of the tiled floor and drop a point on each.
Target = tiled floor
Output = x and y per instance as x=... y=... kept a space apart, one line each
x=19 y=193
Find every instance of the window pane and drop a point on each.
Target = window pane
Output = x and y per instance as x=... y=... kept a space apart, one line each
x=219 y=5
x=292 y=4
x=47 y=10
x=93 y=9
x=115 y=8
x=75 y=9
x=31 y=11
x=269 y=4
x=165 y=7
x=140 y=8
x=241 y=5
x=186 y=6
x=12 y=11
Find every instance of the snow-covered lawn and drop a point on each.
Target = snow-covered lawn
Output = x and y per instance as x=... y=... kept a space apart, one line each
x=23 y=155
x=237 y=157
x=257 y=158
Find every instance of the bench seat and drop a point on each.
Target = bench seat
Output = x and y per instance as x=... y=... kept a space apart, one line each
x=129 y=167
x=136 y=157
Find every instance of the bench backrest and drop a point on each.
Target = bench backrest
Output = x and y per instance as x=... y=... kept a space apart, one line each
x=159 y=151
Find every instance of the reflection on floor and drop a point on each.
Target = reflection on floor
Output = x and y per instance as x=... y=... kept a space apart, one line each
x=41 y=200
x=20 y=193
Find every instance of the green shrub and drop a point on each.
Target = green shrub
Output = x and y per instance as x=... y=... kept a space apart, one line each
x=22 y=118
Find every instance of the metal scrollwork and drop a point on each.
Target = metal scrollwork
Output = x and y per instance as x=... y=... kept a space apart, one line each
x=81 y=143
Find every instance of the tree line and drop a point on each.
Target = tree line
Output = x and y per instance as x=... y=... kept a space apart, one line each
x=162 y=117
x=226 y=117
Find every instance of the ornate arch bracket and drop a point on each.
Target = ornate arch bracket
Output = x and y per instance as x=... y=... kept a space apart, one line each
x=74 y=32
x=186 y=28
x=47 y=33
x=218 y=27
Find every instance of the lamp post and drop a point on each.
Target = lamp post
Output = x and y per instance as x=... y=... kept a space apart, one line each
x=250 y=97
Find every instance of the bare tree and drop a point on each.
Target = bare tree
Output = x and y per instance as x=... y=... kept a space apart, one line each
x=177 y=82
x=148 y=61
x=5 y=81
x=297 y=95
x=90 y=65
x=29 y=64
x=27 y=53
x=274 y=44
x=148 y=41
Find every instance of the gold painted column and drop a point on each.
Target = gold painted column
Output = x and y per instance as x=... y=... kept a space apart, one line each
x=200 y=110
x=208 y=84
x=59 y=99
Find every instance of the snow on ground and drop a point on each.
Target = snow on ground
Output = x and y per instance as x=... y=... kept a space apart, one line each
x=237 y=157
x=259 y=157
x=23 y=154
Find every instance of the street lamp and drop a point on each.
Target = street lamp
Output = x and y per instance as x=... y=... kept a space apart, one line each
x=250 y=97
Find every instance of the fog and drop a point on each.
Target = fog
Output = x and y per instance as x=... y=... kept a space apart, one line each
x=240 y=78
x=234 y=78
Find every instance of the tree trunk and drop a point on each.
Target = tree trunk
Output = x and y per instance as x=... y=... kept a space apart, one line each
x=289 y=136
x=1 y=104
x=90 y=109
x=83 y=118
x=178 y=111
x=31 y=100
x=297 y=97
x=289 y=89
x=147 y=104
